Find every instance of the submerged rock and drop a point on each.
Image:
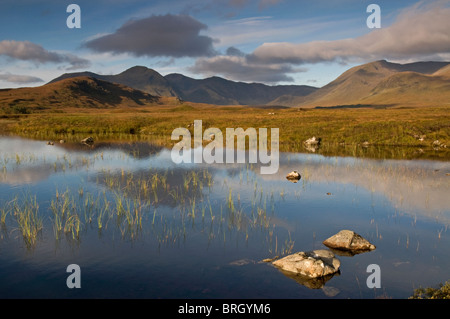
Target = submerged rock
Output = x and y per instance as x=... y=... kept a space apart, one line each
x=311 y=264
x=330 y=291
x=242 y=262
x=350 y=241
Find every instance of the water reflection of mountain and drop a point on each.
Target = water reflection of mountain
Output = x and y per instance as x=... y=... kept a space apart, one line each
x=412 y=186
x=139 y=150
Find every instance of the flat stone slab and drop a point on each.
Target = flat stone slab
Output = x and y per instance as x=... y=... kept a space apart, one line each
x=312 y=264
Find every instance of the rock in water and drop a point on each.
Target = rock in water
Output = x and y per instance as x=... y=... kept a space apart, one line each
x=293 y=176
x=312 y=141
x=348 y=240
x=313 y=264
x=88 y=140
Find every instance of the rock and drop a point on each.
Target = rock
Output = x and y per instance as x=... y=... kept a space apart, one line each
x=269 y=260
x=437 y=144
x=293 y=176
x=312 y=264
x=62 y=142
x=312 y=141
x=312 y=144
x=348 y=240
x=88 y=140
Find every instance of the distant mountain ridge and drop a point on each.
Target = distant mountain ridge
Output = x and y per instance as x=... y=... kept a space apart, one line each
x=376 y=83
x=214 y=90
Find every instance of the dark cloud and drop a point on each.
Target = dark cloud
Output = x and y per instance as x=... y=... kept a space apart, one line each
x=232 y=51
x=28 y=51
x=237 y=68
x=164 y=35
x=19 y=79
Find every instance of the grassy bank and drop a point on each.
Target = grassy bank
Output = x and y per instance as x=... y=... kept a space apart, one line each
x=341 y=130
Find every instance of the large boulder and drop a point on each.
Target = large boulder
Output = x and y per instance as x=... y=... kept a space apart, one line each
x=348 y=240
x=312 y=264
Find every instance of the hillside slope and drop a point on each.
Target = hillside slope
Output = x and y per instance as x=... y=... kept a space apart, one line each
x=73 y=92
x=356 y=85
x=138 y=77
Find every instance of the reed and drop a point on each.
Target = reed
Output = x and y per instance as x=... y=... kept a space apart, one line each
x=28 y=219
x=5 y=210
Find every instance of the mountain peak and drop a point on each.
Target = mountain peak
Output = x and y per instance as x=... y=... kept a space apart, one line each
x=139 y=69
x=138 y=77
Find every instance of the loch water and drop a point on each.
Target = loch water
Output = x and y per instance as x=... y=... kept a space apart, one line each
x=140 y=226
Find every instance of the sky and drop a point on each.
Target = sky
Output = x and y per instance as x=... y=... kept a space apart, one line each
x=289 y=42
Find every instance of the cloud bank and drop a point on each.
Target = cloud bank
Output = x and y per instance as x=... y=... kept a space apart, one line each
x=19 y=79
x=237 y=67
x=28 y=51
x=420 y=32
x=163 y=35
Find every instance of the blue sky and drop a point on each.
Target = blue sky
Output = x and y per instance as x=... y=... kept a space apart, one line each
x=270 y=41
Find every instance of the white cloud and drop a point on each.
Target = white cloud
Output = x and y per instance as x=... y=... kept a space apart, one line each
x=19 y=79
x=28 y=51
x=420 y=32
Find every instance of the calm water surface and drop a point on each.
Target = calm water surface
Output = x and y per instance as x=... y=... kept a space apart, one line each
x=140 y=226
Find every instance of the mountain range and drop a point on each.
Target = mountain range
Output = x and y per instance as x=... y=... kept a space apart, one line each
x=378 y=83
x=213 y=90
